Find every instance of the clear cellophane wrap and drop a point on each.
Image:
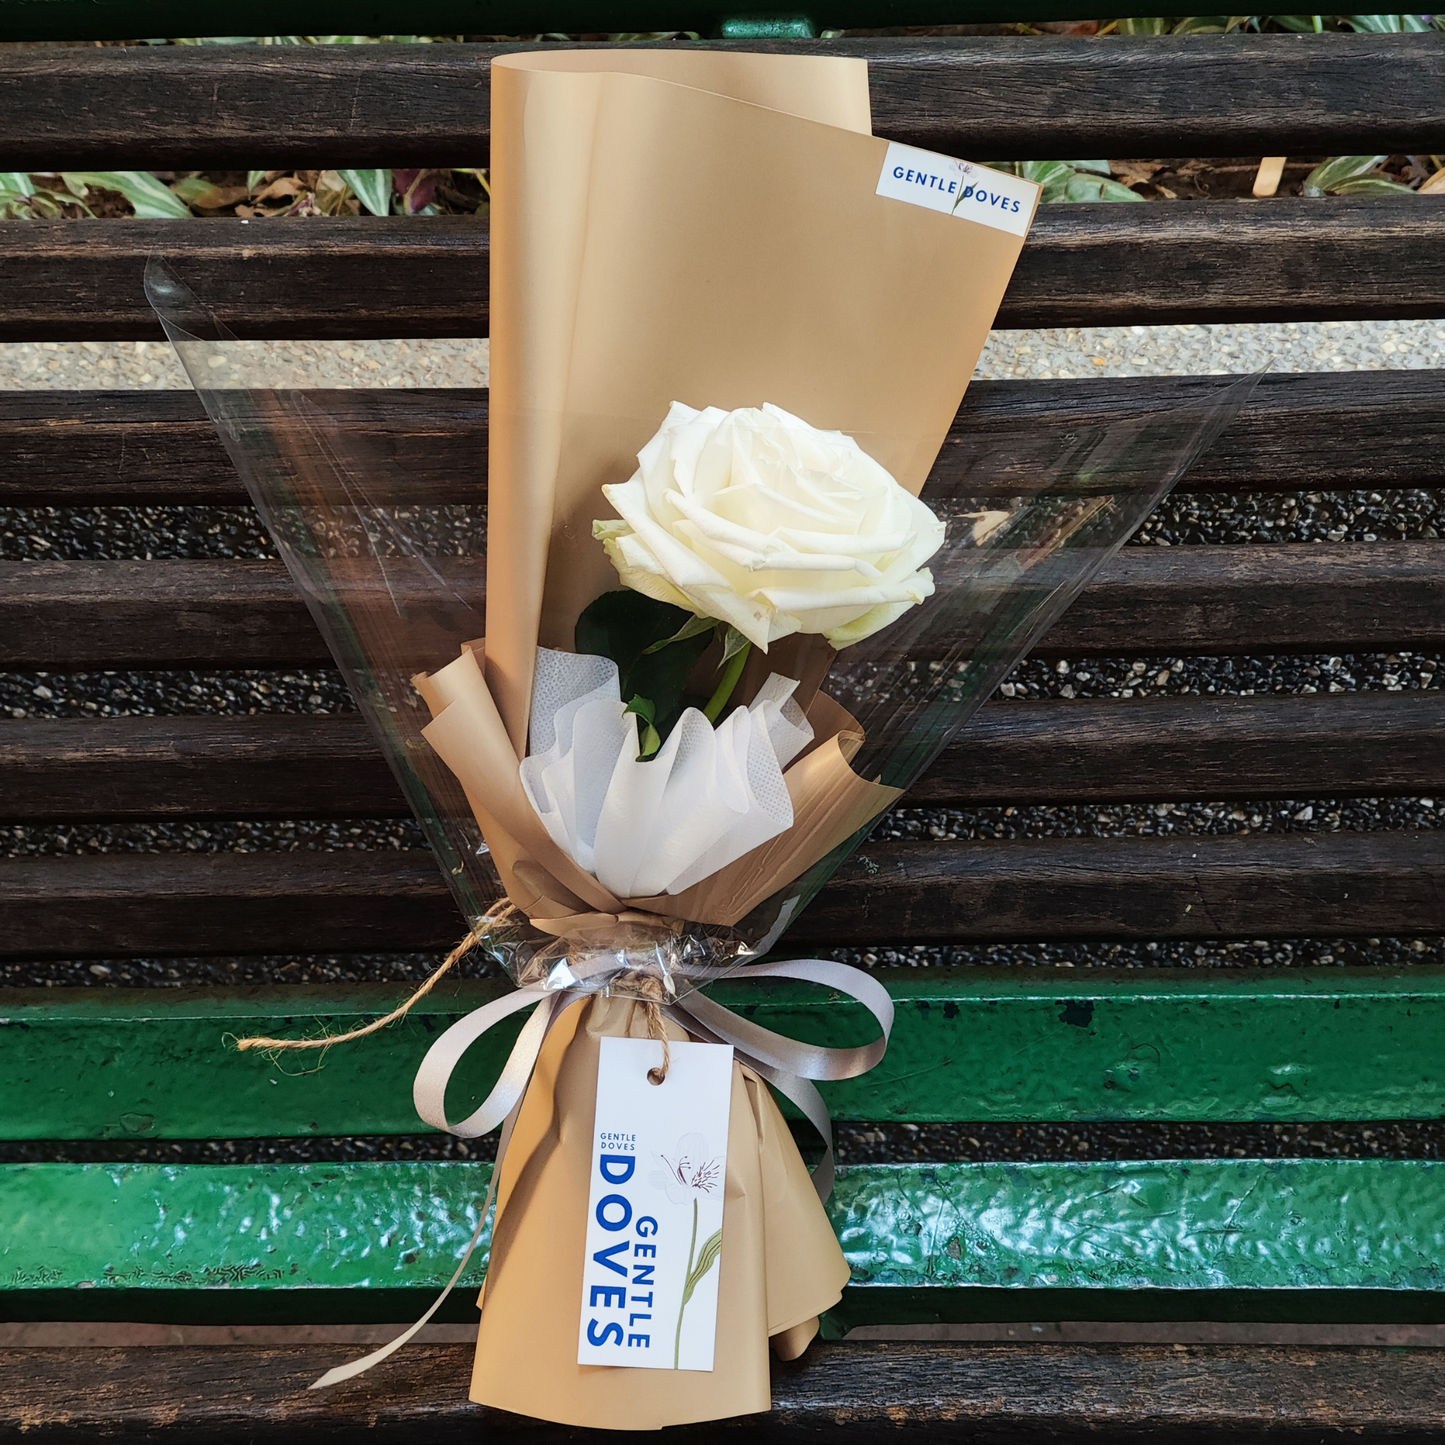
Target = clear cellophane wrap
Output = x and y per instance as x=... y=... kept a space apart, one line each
x=666 y=225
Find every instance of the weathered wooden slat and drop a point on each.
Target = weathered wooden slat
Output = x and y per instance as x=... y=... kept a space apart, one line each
x=1316 y=1239
x=180 y=767
x=995 y=98
x=1179 y=887
x=1308 y=432
x=1142 y=749
x=973 y=1045
x=132 y=447
x=1265 y=885
x=1084 y=265
x=1148 y=600
x=84 y=280
x=991 y=1394
x=280 y=766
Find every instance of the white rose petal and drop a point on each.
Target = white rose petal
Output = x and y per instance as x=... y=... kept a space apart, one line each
x=756 y=518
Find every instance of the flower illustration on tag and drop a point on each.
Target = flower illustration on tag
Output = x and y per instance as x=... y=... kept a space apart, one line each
x=691 y=1173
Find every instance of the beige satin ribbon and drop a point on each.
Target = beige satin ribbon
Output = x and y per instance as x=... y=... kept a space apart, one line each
x=787 y=1064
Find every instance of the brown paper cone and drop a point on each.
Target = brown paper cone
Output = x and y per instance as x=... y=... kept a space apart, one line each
x=780 y=1266
x=712 y=237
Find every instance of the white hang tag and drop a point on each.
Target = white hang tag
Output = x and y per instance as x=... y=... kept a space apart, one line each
x=655 y=1208
x=958 y=188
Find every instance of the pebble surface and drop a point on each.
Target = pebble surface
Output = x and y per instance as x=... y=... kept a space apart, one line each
x=1055 y=353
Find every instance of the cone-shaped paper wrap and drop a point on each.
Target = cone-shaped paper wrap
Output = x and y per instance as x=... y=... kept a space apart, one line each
x=704 y=227
x=781 y=1266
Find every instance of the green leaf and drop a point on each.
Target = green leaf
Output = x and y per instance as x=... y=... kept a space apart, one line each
x=1152 y=25
x=254 y=179
x=643 y=707
x=623 y=626
x=1370 y=186
x=16 y=181
x=152 y=200
x=1096 y=188
x=372 y=188
x=1388 y=24
x=649 y=741
x=1101 y=167
x=1327 y=176
x=705 y=1261
x=733 y=644
x=693 y=627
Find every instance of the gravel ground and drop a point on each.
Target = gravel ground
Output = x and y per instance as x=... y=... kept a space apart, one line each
x=855 y=1143
x=1059 y=352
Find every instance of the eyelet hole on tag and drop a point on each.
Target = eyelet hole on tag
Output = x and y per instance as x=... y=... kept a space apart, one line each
x=656 y=1076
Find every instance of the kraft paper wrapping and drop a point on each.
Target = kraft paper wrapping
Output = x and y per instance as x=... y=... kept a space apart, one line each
x=780 y=1264
x=695 y=226
x=700 y=226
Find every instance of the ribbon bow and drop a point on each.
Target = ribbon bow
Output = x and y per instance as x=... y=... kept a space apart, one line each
x=788 y=1065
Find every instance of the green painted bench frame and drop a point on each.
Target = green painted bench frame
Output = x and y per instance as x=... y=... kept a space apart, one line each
x=1243 y=1239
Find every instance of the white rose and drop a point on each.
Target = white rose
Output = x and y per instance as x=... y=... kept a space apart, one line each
x=758 y=519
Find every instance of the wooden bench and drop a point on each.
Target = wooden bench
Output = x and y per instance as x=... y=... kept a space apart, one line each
x=1203 y=1238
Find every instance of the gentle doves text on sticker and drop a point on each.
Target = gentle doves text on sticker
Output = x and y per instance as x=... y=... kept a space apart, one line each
x=958 y=188
x=655 y=1209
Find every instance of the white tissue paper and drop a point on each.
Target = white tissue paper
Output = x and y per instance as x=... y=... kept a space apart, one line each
x=643 y=828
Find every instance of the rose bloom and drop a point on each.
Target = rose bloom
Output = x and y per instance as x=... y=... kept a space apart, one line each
x=758 y=519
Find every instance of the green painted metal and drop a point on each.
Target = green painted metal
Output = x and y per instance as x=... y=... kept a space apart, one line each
x=767 y=27
x=975 y=1045
x=1243 y=1239
x=136 y=19
x=321 y=1242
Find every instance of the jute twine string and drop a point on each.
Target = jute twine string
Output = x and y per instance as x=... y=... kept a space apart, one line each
x=497 y=916
x=650 y=989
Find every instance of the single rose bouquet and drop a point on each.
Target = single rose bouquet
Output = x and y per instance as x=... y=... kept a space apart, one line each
x=726 y=594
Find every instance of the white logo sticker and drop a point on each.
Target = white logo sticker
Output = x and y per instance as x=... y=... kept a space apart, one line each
x=655 y=1208
x=958 y=188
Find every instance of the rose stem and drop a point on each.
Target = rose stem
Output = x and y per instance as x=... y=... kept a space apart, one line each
x=729 y=680
x=692 y=1245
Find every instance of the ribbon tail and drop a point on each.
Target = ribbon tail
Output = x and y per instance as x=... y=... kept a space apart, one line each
x=502 y=1105
x=806 y=1096
x=358 y=1367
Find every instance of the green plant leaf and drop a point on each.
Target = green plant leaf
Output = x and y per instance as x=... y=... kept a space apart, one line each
x=16 y=181
x=1328 y=175
x=153 y=201
x=733 y=644
x=1388 y=24
x=649 y=740
x=623 y=625
x=372 y=188
x=1370 y=186
x=706 y=1258
x=254 y=179
x=1152 y=25
x=693 y=627
x=1101 y=167
x=1097 y=188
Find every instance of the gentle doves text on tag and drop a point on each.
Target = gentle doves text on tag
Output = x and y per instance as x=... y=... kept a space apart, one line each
x=958 y=188
x=655 y=1208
